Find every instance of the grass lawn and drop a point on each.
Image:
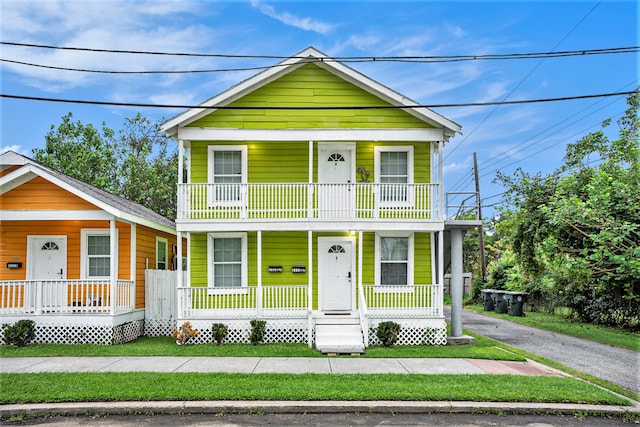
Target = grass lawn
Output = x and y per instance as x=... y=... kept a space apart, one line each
x=558 y=323
x=484 y=348
x=145 y=386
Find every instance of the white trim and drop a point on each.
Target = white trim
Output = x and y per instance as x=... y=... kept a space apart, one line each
x=30 y=273
x=166 y=254
x=410 y=167
x=244 y=262
x=378 y=259
x=50 y=215
x=290 y=64
x=133 y=253
x=244 y=172
x=84 y=252
x=425 y=135
x=352 y=240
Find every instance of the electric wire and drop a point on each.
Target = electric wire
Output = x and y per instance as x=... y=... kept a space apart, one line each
x=315 y=107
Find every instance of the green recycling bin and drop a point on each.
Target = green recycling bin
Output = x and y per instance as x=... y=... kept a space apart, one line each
x=499 y=302
x=487 y=300
x=515 y=303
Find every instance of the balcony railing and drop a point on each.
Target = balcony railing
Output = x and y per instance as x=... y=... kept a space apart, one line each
x=407 y=301
x=66 y=297
x=246 y=302
x=303 y=201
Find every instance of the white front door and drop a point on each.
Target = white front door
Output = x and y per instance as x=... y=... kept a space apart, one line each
x=47 y=261
x=335 y=169
x=336 y=279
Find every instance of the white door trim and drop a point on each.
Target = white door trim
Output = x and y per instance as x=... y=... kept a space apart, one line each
x=31 y=255
x=337 y=240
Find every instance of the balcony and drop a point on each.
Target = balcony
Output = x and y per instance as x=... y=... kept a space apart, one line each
x=356 y=202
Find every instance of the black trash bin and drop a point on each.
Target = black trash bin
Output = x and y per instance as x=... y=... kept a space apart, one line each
x=515 y=303
x=499 y=302
x=487 y=300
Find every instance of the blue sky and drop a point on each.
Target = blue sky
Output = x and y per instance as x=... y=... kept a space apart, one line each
x=530 y=136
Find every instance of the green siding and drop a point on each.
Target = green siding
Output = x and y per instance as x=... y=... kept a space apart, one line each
x=289 y=161
x=312 y=86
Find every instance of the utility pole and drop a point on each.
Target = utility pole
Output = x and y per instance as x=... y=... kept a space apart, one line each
x=483 y=262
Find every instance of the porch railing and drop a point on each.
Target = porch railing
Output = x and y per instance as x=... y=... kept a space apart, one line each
x=304 y=201
x=406 y=301
x=66 y=297
x=247 y=302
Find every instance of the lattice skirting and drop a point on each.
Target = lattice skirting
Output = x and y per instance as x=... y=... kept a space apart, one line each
x=74 y=333
x=159 y=327
x=413 y=331
x=278 y=330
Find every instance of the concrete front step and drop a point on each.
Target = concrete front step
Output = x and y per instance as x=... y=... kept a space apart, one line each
x=339 y=338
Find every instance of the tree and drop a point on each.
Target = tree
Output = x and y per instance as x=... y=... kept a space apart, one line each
x=136 y=163
x=576 y=232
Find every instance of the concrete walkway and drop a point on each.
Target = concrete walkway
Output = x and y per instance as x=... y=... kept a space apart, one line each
x=288 y=365
x=617 y=365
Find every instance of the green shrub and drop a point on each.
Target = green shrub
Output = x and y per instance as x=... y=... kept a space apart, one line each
x=387 y=333
x=258 y=329
x=219 y=332
x=20 y=334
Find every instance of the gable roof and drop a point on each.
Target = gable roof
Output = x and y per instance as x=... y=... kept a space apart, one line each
x=119 y=207
x=306 y=56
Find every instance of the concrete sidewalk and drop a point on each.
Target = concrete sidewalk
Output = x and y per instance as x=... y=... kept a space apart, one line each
x=289 y=365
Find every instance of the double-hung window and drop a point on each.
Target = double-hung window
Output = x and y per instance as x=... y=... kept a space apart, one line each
x=228 y=170
x=394 y=170
x=227 y=262
x=394 y=259
x=96 y=254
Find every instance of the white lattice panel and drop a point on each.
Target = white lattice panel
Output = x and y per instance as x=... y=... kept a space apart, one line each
x=281 y=330
x=73 y=333
x=158 y=327
x=413 y=332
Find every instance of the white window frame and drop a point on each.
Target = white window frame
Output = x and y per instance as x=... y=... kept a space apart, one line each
x=166 y=253
x=379 y=287
x=243 y=149
x=377 y=150
x=84 y=252
x=244 y=263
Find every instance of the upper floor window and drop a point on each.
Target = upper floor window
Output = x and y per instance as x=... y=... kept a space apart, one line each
x=394 y=165
x=162 y=253
x=227 y=166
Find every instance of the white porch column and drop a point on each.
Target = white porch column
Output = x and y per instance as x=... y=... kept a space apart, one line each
x=440 y=273
x=179 y=278
x=113 y=265
x=259 y=273
x=309 y=189
x=456 y=282
x=309 y=288
x=132 y=268
x=441 y=207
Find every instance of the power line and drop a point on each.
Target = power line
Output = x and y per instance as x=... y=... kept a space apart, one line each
x=521 y=81
x=414 y=58
x=335 y=107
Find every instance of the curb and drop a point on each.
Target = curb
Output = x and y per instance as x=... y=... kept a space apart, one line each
x=297 y=407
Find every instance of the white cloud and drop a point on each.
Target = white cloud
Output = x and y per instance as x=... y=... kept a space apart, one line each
x=15 y=148
x=457 y=166
x=307 y=24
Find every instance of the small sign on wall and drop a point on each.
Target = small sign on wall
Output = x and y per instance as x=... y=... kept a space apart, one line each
x=14 y=265
x=275 y=269
x=298 y=269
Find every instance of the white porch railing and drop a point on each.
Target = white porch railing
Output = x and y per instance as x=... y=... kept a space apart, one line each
x=405 y=301
x=66 y=297
x=249 y=302
x=292 y=201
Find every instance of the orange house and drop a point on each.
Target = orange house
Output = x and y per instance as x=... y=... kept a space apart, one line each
x=73 y=257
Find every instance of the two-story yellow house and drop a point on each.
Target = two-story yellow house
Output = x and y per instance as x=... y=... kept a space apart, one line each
x=313 y=199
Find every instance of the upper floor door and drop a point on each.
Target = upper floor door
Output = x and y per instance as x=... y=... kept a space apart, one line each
x=336 y=170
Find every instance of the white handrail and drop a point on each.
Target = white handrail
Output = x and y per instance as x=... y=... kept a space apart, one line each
x=304 y=201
